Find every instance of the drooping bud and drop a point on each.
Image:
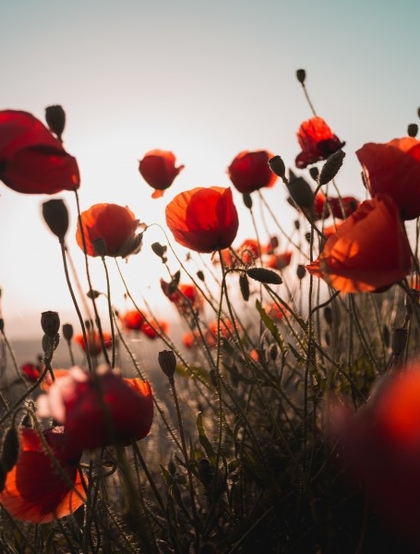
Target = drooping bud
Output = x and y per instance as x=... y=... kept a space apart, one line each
x=244 y=286
x=159 y=250
x=55 y=117
x=10 y=449
x=277 y=166
x=93 y=294
x=167 y=362
x=301 y=76
x=50 y=323
x=264 y=275
x=56 y=217
x=331 y=167
x=67 y=331
x=412 y=130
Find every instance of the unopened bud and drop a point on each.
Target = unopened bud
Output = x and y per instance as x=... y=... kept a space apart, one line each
x=412 y=130
x=247 y=200
x=50 y=323
x=300 y=192
x=99 y=247
x=55 y=117
x=56 y=217
x=93 y=294
x=67 y=331
x=398 y=340
x=167 y=362
x=200 y=275
x=314 y=172
x=331 y=167
x=301 y=76
x=159 y=249
x=300 y=271
x=244 y=286
x=10 y=449
x=277 y=166
x=264 y=275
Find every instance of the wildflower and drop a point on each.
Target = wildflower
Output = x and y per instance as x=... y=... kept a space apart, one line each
x=132 y=320
x=203 y=219
x=250 y=171
x=394 y=168
x=31 y=371
x=32 y=160
x=158 y=170
x=114 y=225
x=94 y=341
x=379 y=446
x=278 y=261
x=317 y=142
x=152 y=328
x=45 y=483
x=98 y=410
x=320 y=206
x=369 y=251
x=343 y=207
x=186 y=297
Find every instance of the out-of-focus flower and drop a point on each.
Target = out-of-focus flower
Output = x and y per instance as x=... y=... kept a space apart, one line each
x=43 y=485
x=203 y=219
x=276 y=311
x=369 y=252
x=112 y=227
x=158 y=170
x=317 y=142
x=278 y=261
x=31 y=371
x=394 y=168
x=250 y=171
x=186 y=297
x=132 y=320
x=94 y=341
x=152 y=328
x=226 y=328
x=343 y=207
x=380 y=447
x=32 y=160
x=320 y=207
x=98 y=410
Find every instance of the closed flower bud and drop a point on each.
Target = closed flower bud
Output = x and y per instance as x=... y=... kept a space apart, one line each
x=67 y=331
x=244 y=286
x=331 y=167
x=200 y=275
x=55 y=117
x=167 y=362
x=50 y=323
x=314 y=172
x=99 y=247
x=300 y=192
x=277 y=166
x=247 y=200
x=56 y=217
x=412 y=130
x=10 y=449
x=159 y=249
x=301 y=76
x=264 y=275
x=300 y=271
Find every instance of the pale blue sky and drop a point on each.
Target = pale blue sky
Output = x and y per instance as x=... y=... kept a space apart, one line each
x=203 y=79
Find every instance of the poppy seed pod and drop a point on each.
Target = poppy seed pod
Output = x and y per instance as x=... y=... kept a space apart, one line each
x=50 y=323
x=67 y=331
x=56 y=217
x=277 y=166
x=412 y=129
x=167 y=362
x=55 y=117
x=301 y=76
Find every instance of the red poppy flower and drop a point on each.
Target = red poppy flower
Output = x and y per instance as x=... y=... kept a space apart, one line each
x=98 y=410
x=32 y=160
x=317 y=142
x=132 y=320
x=320 y=208
x=250 y=171
x=109 y=230
x=394 y=168
x=203 y=219
x=186 y=297
x=151 y=328
x=278 y=261
x=369 y=251
x=380 y=447
x=31 y=371
x=343 y=207
x=39 y=489
x=158 y=170
x=94 y=341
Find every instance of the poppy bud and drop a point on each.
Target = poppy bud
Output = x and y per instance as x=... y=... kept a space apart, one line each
x=56 y=217
x=159 y=249
x=167 y=362
x=244 y=286
x=55 y=117
x=300 y=192
x=398 y=340
x=247 y=200
x=301 y=76
x=277 y=166
x=200 y=275
x=412 y=130
x=314 y=172
x=99 y=247
x=10 y=449
x=264 y=275
x=331 y=167
x=300 y=271
x=67 y=331
x=50 y=323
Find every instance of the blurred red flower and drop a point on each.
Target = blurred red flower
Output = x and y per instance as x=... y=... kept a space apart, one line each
x=151 y=328
x=369 y=252
x=186 y=297
x=343 y=207
x=94 y=341
x=380 y=447
x=278 y=261
x=32 y=160
x=158 y=170
x=394 y=168
x=320 y=208
x=98 y=410
x=132 y=320
x=250 y=171
x=109 y=230
x=37 y=490
x=317 y=142
x=203 y=219
x=31 y=371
